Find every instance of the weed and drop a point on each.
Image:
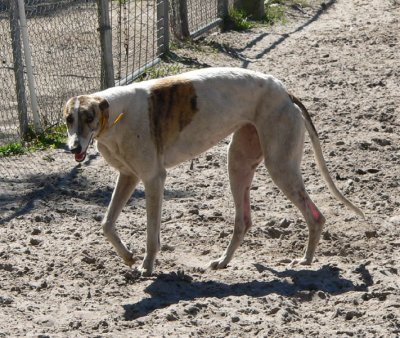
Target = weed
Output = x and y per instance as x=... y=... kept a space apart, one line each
x=301 y=3
x=158 y=71
x=274 y=12
x=237 y=20
x=52 y=138
x=11 y=149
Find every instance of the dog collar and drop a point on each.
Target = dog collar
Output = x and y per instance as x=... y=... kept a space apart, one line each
x=104 y=122
x=119 y=117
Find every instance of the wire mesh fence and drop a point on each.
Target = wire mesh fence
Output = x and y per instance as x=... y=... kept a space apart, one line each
x=65 y=60
x=135 y=42
x=64 y=37
x=202 y=15
x=8 y=96
x=65 y=55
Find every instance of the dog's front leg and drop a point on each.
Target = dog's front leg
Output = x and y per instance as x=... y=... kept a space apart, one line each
x=123 y=190
x=154 y=189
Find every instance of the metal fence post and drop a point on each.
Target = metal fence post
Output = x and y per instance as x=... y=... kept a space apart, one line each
x=18 y=70
x=162 y=27
x=29 y=69
x=107 y=65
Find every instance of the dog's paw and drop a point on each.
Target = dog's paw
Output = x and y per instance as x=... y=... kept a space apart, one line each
x=299 y=261
x=145 y=272
x=217 y=264
x=146 y=268
x=129 y=259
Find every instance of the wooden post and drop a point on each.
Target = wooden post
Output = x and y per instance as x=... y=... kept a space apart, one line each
x=184 y=19
x=180 y=22
x=162 y=27
x=253 y=8
x=107 y=64
x=18 y=70
x=223 y=7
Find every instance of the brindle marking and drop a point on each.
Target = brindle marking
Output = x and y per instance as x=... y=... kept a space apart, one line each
x=172 y=105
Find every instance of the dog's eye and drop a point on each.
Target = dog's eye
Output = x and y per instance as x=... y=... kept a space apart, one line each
x=70 y=119
x=89 y=119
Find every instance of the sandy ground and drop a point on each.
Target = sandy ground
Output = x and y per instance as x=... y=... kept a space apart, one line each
x=60 y=278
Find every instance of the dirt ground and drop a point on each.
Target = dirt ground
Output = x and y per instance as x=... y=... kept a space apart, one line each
x=60 y=278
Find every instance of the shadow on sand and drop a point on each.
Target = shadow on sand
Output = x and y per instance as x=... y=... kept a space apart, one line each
x=237 y=53
x=171 y=288
x=57 y=188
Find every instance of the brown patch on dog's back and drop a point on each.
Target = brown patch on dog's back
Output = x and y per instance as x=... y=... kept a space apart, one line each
x=172 y=105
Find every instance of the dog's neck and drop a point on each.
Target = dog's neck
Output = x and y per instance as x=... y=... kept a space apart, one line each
x=104 y=123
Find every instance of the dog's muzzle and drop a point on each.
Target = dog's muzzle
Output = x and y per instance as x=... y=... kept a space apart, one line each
x=76 y=150
x=75 y=147
x=79 y=154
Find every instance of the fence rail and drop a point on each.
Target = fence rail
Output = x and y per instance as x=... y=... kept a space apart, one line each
x=80 y=46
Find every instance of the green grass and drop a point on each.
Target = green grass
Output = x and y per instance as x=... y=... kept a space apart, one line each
x=51 y=138
x=11 y=149
x=274 y=12
x=237 y=20
x=301 y=3
x=158 y=71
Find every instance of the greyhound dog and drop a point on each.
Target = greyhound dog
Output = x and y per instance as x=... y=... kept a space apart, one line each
x=144 y=128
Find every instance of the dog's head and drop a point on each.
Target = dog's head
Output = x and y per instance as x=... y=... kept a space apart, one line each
x=86 y=117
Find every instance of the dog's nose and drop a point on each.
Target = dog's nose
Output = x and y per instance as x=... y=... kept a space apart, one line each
x=76 y=149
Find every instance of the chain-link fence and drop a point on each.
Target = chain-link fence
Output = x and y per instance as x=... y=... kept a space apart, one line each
x=136 y=31
x=66 y=52
x=8 y=96
x=61 y=51
x=202 y=15
x=66 y=55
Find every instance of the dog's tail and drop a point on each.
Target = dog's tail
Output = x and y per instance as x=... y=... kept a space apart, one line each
x=320 y=158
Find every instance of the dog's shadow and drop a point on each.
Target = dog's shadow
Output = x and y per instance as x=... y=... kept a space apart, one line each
x=58 y=187
x=171 y=288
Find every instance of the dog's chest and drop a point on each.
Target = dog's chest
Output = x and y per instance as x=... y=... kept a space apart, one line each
x=113 y=157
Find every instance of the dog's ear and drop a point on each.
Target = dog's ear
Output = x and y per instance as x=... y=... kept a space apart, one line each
x=103 y=106
x=68 y=106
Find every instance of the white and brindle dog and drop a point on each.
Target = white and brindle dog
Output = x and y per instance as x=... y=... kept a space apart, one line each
x=143 y=128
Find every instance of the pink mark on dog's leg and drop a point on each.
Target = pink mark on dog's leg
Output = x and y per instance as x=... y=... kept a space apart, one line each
x=314 y=211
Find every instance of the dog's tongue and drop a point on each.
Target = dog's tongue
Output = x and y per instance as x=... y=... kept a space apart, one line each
x=80 y=157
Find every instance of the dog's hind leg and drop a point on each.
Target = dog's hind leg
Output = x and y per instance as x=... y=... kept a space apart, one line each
x=291 y=183
x=283 y=146
x=122 y=192
x=244 y=155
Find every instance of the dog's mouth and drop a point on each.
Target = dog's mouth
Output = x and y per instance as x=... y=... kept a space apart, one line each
x=80 y=157
x=79 y=153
